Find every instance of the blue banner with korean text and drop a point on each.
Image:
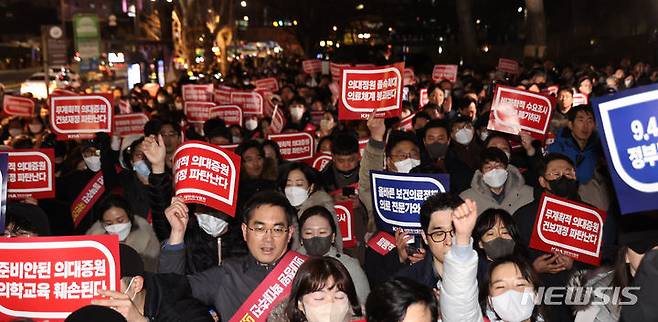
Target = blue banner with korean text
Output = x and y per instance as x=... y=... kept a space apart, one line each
x=397 y=198
x=628 y=123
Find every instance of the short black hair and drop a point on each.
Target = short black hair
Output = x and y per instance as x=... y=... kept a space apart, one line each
x=586 y=108
x=344 y=144
x=541 y=168
x=460 y=119
x=494 y=135
x=433 y=124
x=216 y=127
x=249 y=144
x=396 y=137
x=420 y=115
x=310 y=173
x=493 y=154
x=116 y=201
x=317 y=211
x=270 y=198
x=487 y=220
x=437 y=202
x=154 y=126
x=389 y=301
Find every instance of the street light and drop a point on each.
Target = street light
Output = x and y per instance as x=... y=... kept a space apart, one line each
x=322 y=43
x=519 y=10
x=245 y=18
x=334 y=28
x=275 y=24
x=243 y=4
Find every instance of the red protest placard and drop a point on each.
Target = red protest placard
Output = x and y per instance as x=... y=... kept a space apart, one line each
x=406 y=124
x=506 y=65
x=129 y=124
x=62 y=92
x=409 y=77
x=551 y=90
x=335 y=70
x=312 y=66
x=198 y=112
x=229 y=147
x=294 y=146
x=514 y=110
x=251 y=102
x=278 y=121
x=580 y=99
x=207 y=175
x=269 y=84
x=424 y=98
x=441 y=72
x=197 y=93
x=382 y=243
x=274 y=288
x=18 y=106
x=231 y=114
x=344 y=211
x=81 y=116
x=47 y=278
x=124 y=107
x=321 y=161
x=362 y=146
x=223 y=95
x=31 y=174
x=366 y=88
x=569 y=228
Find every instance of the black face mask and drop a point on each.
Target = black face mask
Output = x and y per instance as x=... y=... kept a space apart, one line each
x=317 y=246
x=564 y=187
x=498 y=248
x=436 y=150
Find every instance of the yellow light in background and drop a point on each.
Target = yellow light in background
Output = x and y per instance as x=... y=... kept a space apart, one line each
x=360 y=6
x=294 y=22
x=275 y=24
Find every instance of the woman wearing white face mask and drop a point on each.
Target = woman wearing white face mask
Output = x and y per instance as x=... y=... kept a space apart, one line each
x=322 y=291
x=117 y=218
x=510 y=294
x=497 y=184
x=299 y=182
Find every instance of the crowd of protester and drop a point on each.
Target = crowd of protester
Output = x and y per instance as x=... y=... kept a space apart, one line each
x=474 y=262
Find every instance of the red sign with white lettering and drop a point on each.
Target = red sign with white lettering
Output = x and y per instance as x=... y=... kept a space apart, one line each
x=207 y=175
x=406 y=124
x=312 y=66
x=18 y=106
x=274 y=288
x=321 y=161
x=568 y=228
x=47 y=278
x=278 y=121
x=514 y=110
x=129 y=124
x=81 y=116
x=251 y=102
x=366 y=88
x=551 y=90
x=506 y=65
x=441 y=72
x=31 y=174
x=294 y=146
x=231 y=114
x=197 y=93
x=269 y=84
x=198 y=112
x=382 y=243
x=124 y=107
x=424 y=98
x=335 y=70
x=344 y=210
x=580 y=99
x=223 y=95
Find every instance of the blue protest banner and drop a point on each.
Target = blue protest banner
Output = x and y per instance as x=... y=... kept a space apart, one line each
x=4 y=161
x=397 y=198
x=627 y=122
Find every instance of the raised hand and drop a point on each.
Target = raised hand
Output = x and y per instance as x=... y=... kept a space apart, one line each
x=526 y=142
x=178 y=216
x=122 y=303
x=376 y=126
x=463 y=219
x=155 y=151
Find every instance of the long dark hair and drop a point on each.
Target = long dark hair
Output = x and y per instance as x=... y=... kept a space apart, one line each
x=313 y=276
x=310 y=174
x=487 y=220
x=622 y=272
x=116 y=201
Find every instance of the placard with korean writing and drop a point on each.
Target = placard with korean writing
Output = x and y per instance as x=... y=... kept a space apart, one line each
x=81 y=116
x=198 y=112
x=569 y=228
x=223 y=95
x=514 y=110
x=18 y=106
x=274 y=288
x=278 y=120
x=198 y=93
x=423 y=98
x=129 y=124
x=507 y=65
x=364 y=89
x=231 y=114
x=269 y=84
x=47 y=278
x=31 y=174
x=207 y=175
x=344 y=211
x=580 y=99
x=251 y=102
x=294 y=146
x=397 y=198
x=321 y=161
x=312 y=66
x=382 y=243
x=627 y=123
x=441 y=72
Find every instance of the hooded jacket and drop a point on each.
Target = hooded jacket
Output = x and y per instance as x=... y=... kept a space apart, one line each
x=516 y=193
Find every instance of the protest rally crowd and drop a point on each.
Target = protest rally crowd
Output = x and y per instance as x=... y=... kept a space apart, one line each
x=338 y=223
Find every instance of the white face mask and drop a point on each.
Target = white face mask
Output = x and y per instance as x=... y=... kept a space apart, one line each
x=326 y=124
x=296 y=112
x=122 y=230
x=328 y=312
x=93 y=163
x=495 y=178
x=251 y=124
x=296 y=195
x=464 y=136
x=406 y=165
x=212 y=225
x=237 y=139
x=513 y=306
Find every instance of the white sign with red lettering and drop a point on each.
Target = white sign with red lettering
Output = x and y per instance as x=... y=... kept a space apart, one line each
x=294 y=146
x=441 y=72
x=129 y=124
x=198 y=112
x=231 y=114
x=197 y=93
x=269 y=84
x=18 y=106
x=223 y=95
x=81 y=116
x=31 y=174
x=364 y=89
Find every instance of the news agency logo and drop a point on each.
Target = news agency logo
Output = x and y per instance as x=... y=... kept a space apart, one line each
x=562 y=295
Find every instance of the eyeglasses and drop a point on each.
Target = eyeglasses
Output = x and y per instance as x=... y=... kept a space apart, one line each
x=439 y=236
x=276 y=231
x=403 y=156
x=569 y=173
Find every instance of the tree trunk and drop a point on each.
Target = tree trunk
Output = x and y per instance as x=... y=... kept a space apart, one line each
x=536 y=25
x=467 y=30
